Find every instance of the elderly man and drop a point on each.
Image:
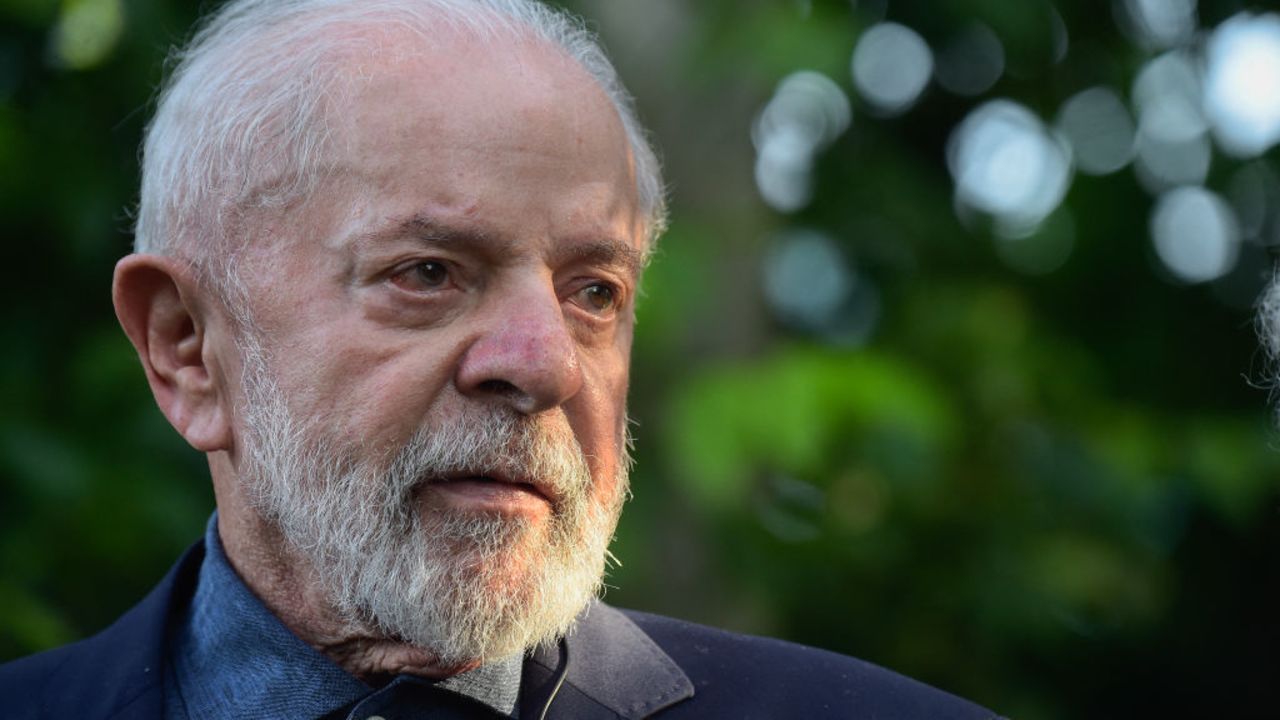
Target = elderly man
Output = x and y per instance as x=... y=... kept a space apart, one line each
x=387 y=258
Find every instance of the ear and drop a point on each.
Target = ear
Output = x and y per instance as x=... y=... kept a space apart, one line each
x=165 y=314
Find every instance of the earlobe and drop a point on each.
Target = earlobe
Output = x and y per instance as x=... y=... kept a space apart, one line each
x=164 y=313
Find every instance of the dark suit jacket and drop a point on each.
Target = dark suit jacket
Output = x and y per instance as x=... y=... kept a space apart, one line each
x=616 y=665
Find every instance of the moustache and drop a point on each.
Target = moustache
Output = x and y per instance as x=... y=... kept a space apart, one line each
x=539 y=454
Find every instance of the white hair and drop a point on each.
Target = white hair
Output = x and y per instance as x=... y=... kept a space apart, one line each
x=241 y=121
x=1268 y=325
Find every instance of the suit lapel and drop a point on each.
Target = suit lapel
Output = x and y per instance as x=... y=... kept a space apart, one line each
x=614 y=671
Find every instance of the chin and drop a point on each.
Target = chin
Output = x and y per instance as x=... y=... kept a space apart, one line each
x=476 y=586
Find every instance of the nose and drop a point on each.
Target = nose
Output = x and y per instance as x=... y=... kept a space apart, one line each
x=524 y=356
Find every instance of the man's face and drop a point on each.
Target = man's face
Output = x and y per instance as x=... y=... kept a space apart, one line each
x=467 y=271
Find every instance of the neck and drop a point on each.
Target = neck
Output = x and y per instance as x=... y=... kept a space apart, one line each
x=288 y=585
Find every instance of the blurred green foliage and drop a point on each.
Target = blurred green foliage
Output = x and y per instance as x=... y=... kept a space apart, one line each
x=1056 y=494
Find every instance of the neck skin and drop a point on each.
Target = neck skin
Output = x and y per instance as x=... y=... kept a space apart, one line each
x=285 y=582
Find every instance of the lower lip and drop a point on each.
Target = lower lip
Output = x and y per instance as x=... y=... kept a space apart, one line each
x=491 y=495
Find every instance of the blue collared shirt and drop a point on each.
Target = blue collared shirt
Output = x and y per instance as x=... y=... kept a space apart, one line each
x=230 y=657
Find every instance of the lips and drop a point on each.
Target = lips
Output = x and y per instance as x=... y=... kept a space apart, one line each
x=480 y=479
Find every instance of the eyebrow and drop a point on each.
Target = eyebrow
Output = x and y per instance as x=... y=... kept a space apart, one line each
x=428 y=228
x=601 y=250
x=609 y=251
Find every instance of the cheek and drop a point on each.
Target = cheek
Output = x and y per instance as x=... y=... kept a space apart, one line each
x=598 y=417
x=621 y=385
x=367 y=387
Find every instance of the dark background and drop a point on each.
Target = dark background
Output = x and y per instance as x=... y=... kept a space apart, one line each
x=1013 y=449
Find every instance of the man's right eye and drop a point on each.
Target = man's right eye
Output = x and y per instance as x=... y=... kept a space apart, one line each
x=423 y=276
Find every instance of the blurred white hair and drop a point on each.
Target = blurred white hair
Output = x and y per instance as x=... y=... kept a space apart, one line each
x=241 y=122
x=1268 y=324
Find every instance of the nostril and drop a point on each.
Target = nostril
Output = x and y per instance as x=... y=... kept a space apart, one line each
x=501 y=388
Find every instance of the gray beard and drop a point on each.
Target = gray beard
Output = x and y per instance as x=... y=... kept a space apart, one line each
x=462 y=586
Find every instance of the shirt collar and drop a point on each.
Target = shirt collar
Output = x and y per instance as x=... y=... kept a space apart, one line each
x=233 y=658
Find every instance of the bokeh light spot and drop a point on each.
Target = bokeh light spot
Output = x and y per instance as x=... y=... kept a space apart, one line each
x=1195 y=234
x=1098 y=126
x=783 y=171
x=807 y=112
x=87 y=32
x=806 y=279
x=1164 y=164
x=1242 y=83
x=971 y=62
x=1158 y=23
x=1007 y=164
x=811 y=286
x=1061 y=38
x=807 y=103
x=891 y=66
x=1168 y=94
x=1173 y=148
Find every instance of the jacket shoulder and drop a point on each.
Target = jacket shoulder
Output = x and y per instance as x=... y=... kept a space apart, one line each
x=95 y=677
x=116 y=673
x=23 y=681
x=737 y=675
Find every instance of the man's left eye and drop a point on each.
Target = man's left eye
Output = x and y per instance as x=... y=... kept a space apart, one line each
x=599 y=298
x=431 y=274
